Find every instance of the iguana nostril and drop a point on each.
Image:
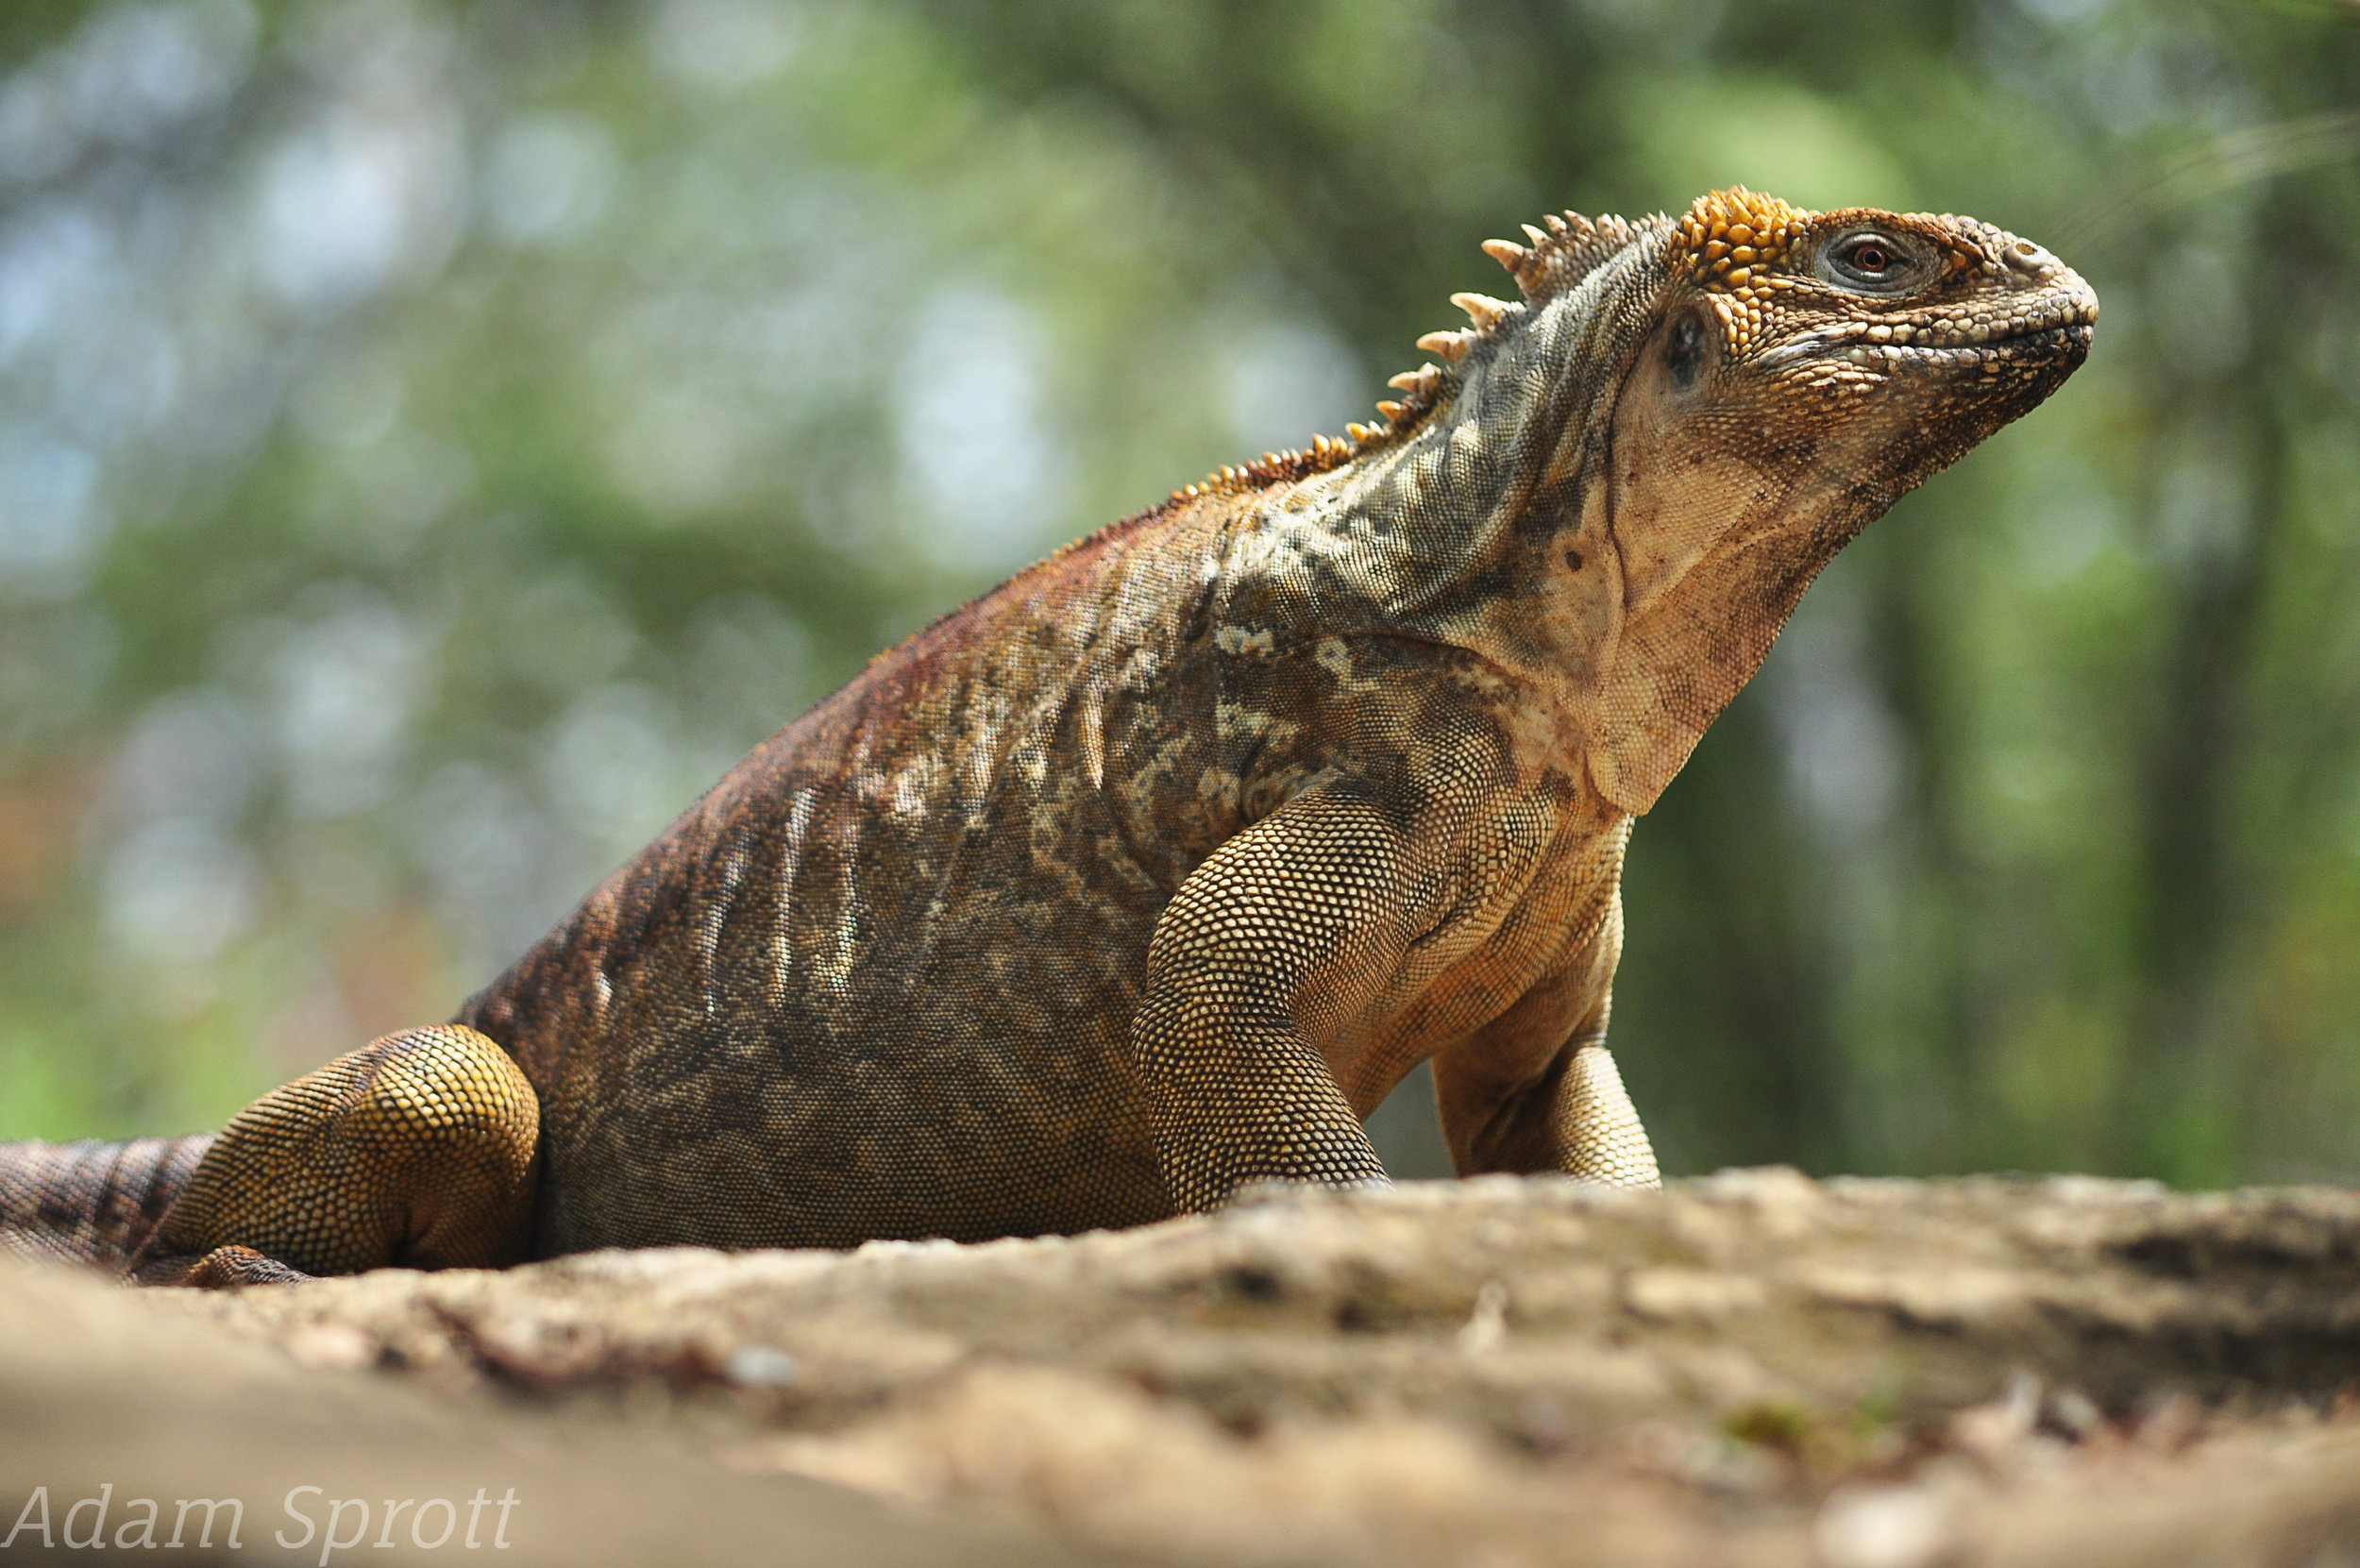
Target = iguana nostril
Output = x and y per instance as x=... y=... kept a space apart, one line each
x=2024 y=255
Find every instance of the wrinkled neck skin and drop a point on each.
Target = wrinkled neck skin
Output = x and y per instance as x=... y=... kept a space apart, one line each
x=1551 y=519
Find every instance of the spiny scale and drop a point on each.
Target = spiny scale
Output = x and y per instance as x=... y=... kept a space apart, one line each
x=1484 y=310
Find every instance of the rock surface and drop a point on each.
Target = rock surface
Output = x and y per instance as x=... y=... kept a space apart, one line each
x=1750 y=1368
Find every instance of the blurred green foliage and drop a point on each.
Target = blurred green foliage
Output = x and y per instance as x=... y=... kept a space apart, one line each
x=437 y=438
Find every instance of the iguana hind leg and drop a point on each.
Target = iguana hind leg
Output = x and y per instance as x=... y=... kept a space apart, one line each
x=419 y=1149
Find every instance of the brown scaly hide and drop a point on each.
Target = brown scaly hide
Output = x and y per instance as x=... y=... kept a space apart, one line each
x=1151 y=872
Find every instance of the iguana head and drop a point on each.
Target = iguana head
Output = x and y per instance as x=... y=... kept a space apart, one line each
x=1800 y=372
x=1628 y=478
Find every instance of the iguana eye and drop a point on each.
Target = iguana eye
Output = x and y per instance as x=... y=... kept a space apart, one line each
x=1872 y=261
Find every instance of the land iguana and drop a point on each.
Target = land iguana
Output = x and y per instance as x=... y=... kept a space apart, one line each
x=1151 y=872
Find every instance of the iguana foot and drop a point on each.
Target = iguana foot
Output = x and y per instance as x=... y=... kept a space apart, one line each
x=420 y=1150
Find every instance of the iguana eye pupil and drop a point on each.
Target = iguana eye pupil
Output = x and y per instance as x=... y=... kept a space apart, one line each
x=1870 y=258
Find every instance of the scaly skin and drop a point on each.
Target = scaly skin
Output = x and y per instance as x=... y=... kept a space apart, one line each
x=1152 y=871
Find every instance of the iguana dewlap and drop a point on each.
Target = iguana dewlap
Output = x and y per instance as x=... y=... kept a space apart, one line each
x=1151 y=872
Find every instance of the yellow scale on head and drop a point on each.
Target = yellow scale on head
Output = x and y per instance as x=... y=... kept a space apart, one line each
x=1732 y=242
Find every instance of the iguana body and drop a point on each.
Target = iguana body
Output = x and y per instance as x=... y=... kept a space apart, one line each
x=1152 y=871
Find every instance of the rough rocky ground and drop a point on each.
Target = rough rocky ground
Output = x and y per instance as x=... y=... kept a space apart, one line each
x=1750 y=1368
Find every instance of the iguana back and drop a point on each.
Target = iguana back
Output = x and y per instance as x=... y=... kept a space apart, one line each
x=880 y=980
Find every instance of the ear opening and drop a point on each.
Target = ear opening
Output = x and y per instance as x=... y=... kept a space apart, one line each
x=1687 y=348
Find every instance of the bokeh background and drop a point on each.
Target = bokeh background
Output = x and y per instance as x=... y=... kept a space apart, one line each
x=436 y=439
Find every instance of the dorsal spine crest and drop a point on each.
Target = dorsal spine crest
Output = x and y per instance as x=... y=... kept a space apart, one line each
x=1558 y=253
x=1558 y=258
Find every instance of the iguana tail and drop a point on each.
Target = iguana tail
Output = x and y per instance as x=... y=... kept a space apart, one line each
x=91 y=1202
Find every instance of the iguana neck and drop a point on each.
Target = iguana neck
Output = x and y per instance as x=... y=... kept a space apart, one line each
x=1486 y=526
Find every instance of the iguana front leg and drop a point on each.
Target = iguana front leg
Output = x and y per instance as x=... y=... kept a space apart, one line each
x=1272 y=952
x=1577 y=1119
x=420 y=1150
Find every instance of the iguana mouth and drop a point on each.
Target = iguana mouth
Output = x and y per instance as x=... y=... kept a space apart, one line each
x=2039 y=342
x=2071 y=338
